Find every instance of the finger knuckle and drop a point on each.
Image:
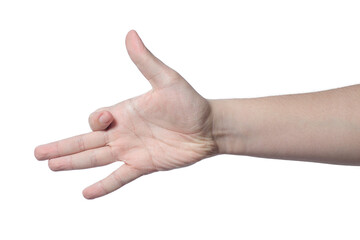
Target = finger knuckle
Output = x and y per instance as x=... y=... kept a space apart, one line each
x=93 y=160
x=81 y=144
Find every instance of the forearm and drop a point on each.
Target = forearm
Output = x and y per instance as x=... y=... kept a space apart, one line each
x=321 y=126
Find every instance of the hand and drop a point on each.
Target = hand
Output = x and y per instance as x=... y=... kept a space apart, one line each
x=168 y=127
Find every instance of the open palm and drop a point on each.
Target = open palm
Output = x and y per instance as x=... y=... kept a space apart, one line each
x=168 y=127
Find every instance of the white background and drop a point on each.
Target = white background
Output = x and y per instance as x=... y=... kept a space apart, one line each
x=61 y=60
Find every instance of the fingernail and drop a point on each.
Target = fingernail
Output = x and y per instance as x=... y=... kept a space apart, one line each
x=104 y=118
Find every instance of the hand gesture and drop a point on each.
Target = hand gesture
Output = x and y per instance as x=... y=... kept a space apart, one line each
x=168 y=127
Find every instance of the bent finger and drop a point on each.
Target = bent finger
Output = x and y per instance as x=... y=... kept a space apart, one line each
x=100 y=120
x=114 y=181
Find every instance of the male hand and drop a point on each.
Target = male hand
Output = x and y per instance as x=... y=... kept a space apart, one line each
x=168 y=127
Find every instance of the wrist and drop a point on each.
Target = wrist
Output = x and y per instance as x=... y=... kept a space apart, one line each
x=227 y=129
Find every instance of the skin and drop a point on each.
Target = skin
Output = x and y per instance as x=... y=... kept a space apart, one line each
x=172 y=126
x=168 y=127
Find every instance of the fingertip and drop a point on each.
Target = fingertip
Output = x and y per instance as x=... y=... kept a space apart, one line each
x=36 y=153
x=39 y=153
x=100 y=120
x=56 y=165
x=86 y=195
x=131 y=35
x=93 y=191
x=105 y=118
x=51 y=165
x=134 y=45
x=132 y=32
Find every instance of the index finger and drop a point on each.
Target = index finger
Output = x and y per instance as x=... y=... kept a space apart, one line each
x=71 y=145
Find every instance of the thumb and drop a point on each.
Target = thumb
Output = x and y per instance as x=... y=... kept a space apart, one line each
x=158 y=74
